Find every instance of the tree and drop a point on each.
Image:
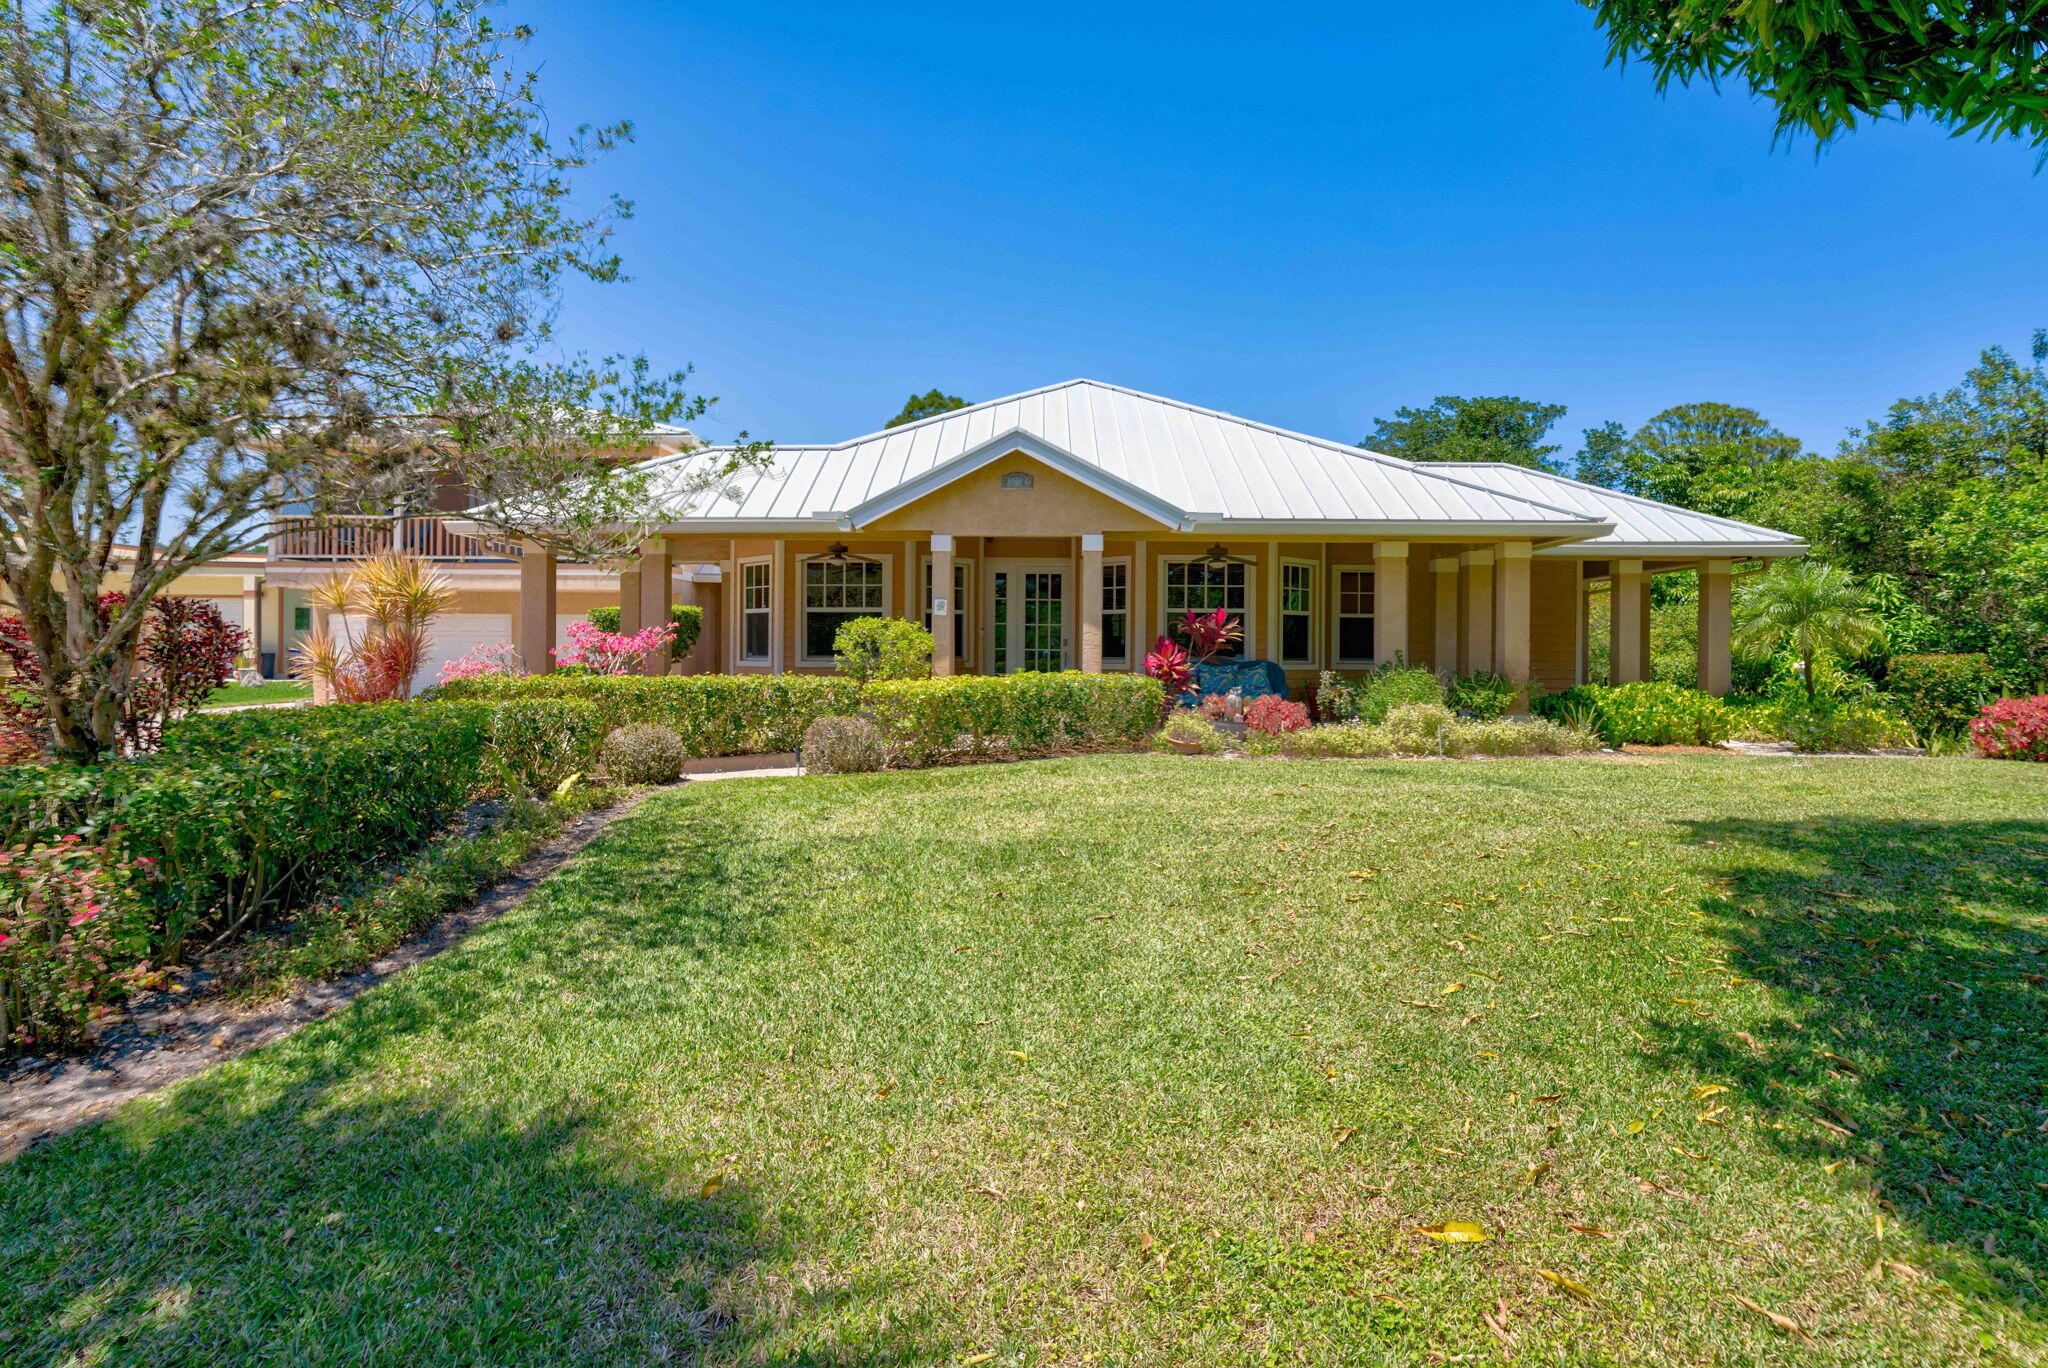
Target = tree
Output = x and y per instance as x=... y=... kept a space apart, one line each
x=187 y=650
x=1458 y=429
x=926 y=405
x=1811 y=608
x=1600 y=455
x=281 y=255
x=1717 y=458
x=1826 y=64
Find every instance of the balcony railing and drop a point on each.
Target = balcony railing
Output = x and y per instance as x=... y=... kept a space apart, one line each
x=353 y=538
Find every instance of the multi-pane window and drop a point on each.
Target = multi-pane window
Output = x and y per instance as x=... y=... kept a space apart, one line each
x=958 y=607
x=835 y=593
x=1205 y=587
x=1354 y=615
x=1116 y=611
x=1297 y=615
x=756 y=610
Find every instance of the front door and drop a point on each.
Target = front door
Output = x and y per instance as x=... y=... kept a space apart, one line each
x=1029 y=621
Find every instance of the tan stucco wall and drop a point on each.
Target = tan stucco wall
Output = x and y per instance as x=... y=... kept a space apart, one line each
x=1553 y=627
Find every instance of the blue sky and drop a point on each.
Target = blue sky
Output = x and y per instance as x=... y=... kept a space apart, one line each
x=1310 y=218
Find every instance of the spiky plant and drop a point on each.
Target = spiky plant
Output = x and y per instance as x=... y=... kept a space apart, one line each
x=396 y=598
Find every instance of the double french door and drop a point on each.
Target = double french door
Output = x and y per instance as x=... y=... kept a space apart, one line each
x=1029 y=616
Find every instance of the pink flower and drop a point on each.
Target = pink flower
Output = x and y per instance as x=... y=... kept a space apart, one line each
x=81 y=918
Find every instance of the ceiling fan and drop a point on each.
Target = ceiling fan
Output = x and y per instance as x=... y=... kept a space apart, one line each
x=1216 y=557
x=837 y=554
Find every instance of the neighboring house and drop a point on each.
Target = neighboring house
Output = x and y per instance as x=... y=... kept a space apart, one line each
x=1068 y=527
x=484 y=573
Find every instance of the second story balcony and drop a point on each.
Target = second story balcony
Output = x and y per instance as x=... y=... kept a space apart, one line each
x=345 y=539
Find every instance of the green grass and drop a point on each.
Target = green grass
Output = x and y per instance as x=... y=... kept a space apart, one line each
x=241 y=695
x=1139 y=1060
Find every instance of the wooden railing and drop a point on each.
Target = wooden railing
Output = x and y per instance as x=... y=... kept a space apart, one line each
x=353 y=538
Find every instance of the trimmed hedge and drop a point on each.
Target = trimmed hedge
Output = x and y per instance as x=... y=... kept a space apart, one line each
x=1941 y=694
x=1020 y=714
x=712 y=714
x=248 y=811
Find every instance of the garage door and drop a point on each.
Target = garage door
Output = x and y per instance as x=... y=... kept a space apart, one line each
x=457 y=634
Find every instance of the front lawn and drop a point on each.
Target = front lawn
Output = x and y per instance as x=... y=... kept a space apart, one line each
x=1140 y=1060
x=271 y=691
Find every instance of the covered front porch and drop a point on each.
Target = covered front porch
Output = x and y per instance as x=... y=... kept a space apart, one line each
x=1095 y=601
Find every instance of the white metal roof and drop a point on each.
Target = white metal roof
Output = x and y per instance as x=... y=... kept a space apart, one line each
x=1639 y=524
x=1207 y=468
x=1185 y=466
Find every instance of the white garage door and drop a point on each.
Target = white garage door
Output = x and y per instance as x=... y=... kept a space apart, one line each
x=457 y=634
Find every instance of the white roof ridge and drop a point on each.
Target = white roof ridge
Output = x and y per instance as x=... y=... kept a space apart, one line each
x=1604 y=492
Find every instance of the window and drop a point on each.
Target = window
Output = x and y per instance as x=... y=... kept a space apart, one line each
x=959 y=605
x=1116 y=610
x=1204 y=588
x=1297 y=611
x=835 y=593
x=1354 y=615
x=302 y=618
x=756 y=609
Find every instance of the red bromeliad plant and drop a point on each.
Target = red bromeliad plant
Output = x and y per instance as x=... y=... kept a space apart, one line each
x=1208 y=633
x=1169 y=664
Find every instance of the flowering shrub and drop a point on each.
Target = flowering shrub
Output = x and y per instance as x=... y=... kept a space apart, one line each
x=186 y=651
x=1271 y=715
x=2013 y=729
x=1216 y=707
x=612 y=653
x=686 y=618
x=498 y=658
x=73 y=936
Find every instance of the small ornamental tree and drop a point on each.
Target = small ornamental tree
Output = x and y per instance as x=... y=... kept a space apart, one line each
x=384 y=607
x=187 y=650
x=872 y=648
x=612 y=653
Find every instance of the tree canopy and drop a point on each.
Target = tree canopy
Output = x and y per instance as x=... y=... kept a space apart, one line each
x=1717 y=458
x=1453 y=428
x=1827 y=64
x=280 y=255
x=926 y=405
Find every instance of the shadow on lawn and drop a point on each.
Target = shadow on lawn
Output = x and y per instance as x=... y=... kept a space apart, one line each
x=1909 y=960
x=266 y=1211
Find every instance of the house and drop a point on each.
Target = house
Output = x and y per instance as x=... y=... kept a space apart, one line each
x=1068 y=527
x=483 y=572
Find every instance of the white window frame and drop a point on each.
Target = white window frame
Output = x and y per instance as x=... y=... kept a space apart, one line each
x=1247 y=615
x=1337 y=616
x=1313 y=570
x=963 y=578
x=766 y=610
x=1130 y=618
x=887 y=564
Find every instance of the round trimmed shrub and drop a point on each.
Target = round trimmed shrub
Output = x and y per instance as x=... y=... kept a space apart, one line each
x=644 y=754
x=844 y=745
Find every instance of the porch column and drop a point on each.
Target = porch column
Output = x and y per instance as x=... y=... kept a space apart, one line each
x=1512 y=650
x=1269 y=605
x=629 y=598
x=533 y=624
x=1476 y=646
x=1716 y=583
x=657 y=595
x=1628 y=603
x=252 y=619
x=1444 y=659
x=1091 y=603
x=942 y=605
x=1390 y=601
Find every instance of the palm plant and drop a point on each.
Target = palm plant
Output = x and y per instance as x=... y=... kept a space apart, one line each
x=1811 y=608
x=395 y=598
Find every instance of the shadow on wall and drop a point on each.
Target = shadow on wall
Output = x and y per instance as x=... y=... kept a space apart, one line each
x=1909 y=959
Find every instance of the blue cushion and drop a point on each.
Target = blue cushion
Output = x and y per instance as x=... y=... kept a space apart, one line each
x=1252 y=678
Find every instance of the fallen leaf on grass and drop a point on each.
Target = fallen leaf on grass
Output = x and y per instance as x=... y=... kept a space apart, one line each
x=1706 y=1090
x=1571 y=1288
x=884 y=1091
x=1018 y=1054
x=987 y=1191
x=1589 y=1230
x=978 y=1358
x=1455 y=1232
x=1535 y=1174
x=1785 y=1323
x=1906 y=1271
x=1497 y=1322
x=1677 y=1149
x=713 y=1186
x=1648 y=1186
x=1341 y=1134
x=1432 y=1006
